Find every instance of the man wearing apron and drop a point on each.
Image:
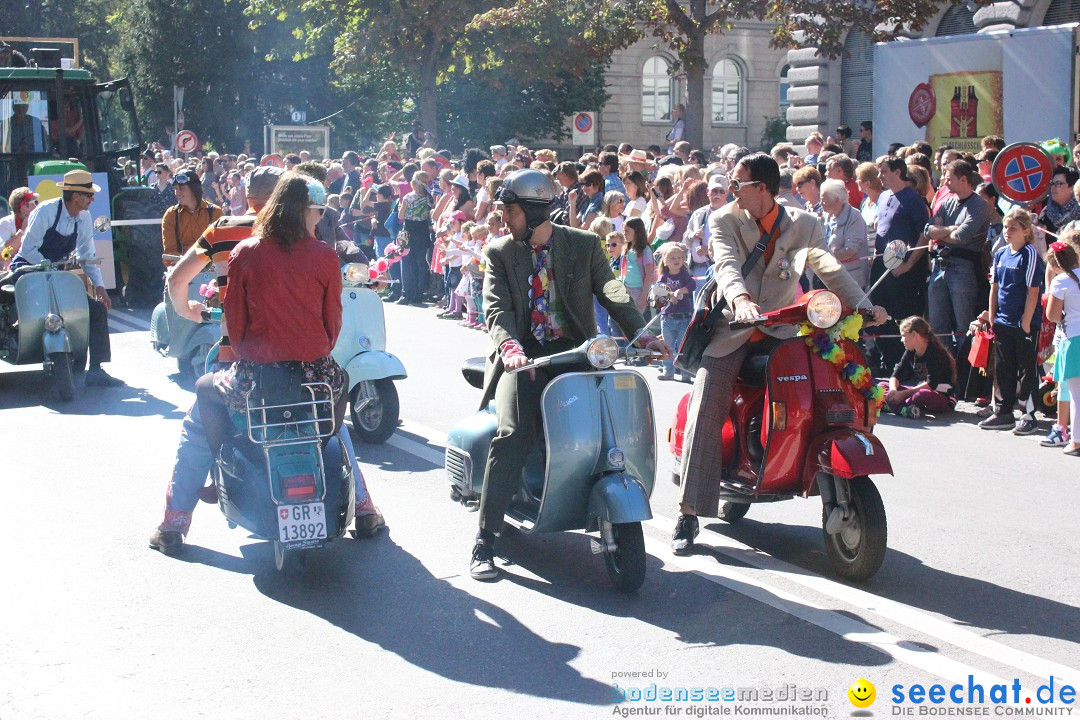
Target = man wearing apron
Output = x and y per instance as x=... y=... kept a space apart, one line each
x=55 y=229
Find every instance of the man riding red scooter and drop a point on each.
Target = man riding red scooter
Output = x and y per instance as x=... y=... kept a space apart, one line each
x=773 y=245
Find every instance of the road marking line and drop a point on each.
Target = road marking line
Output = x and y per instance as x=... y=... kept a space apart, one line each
x=132 y=320
x=435 y=457
x=881 y=606
x=878 y=605
x=931 y=661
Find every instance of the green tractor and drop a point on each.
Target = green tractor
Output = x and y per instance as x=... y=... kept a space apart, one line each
x=54 y=117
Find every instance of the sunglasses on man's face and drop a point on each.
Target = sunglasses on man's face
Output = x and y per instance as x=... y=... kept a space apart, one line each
x=88 y=196
x=737 y=185
x=613 y=244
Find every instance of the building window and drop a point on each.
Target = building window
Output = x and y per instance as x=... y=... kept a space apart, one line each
x=657 y=89
x=784 y=85
x=726 y=93
x=1061 y=12
x=857 y=80
x=957 y=20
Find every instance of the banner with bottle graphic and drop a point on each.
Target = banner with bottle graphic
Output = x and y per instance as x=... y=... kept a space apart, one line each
x=968 y=109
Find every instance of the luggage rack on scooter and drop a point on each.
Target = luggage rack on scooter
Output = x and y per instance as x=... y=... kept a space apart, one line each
x=267 y=424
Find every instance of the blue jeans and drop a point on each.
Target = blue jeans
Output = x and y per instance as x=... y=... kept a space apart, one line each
x=673 y=327
x=952 y=295
x=603 y=320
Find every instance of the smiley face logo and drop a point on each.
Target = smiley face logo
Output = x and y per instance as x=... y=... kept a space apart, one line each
x=862 y=693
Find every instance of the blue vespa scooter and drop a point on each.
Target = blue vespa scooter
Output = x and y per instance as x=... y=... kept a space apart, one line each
x=284 y=476
x=45 y=318
x=177 y=337
x=601 y=421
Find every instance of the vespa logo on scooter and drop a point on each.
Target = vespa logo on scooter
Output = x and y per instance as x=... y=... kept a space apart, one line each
x=791 y=378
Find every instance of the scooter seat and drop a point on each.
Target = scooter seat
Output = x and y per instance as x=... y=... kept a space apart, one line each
x=754 y=370
x=473 y=371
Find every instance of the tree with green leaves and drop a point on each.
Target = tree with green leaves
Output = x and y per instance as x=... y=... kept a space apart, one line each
x=521 y=64
x=683 y=26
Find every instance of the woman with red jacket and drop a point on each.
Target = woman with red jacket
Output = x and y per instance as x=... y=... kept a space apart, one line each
x=283 y=305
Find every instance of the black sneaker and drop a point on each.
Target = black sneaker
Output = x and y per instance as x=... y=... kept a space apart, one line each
x=1026 y=426
x=999 y=421
x=482 y=566
x=686 y=529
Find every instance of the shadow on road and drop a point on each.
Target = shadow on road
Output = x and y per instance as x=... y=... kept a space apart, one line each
x=695 y=610
x=906 y=579
x=31 y=388
x=380 y=593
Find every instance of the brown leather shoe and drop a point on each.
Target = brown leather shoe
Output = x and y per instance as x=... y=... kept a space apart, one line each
x=168 y=542
x=368 y=526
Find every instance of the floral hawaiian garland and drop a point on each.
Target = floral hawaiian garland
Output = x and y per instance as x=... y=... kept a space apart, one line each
x=827 y=346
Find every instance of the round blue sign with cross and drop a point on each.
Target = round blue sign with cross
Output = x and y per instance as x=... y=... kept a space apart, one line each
x=583 y=122
x=1022 y=172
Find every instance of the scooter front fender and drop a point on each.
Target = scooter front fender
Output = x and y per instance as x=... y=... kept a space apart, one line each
x=844 y=453
x=618 y=498
x=55 y=342
x=374 y=365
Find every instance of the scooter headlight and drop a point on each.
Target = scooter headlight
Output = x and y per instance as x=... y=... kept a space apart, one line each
x=356 y=273
x=616 y=458
x=602 y=352
x=824 y=309
x=53 y=322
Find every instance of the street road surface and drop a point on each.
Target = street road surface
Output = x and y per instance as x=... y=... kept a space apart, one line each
x=980 y=578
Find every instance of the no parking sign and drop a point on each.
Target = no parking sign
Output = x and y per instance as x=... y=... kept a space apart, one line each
x=584 y=124
x=1022 y=173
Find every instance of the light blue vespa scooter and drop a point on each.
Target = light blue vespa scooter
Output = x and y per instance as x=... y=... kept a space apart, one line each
x=176 y=337
x=361 y=350
x=45 y=318
x=600 y=420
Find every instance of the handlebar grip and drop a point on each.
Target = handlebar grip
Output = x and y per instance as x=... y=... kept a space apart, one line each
x=746 y=324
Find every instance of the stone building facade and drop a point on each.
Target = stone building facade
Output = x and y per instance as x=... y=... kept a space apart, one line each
x=749 y=82
x=743 y=88
x=825 y=93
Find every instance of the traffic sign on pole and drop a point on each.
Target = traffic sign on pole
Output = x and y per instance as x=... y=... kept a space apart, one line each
x=273 y=161
x=1022 y=172
x=186 y=141
x=584 y=128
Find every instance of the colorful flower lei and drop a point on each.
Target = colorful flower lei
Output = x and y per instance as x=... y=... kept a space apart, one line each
x=826 y=343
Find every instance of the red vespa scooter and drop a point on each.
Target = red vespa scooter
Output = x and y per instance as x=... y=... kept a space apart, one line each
x=800 y=425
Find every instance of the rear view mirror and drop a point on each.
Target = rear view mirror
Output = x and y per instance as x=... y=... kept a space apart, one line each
x=894 y=254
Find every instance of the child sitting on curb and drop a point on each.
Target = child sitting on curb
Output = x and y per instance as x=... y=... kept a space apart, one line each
x=923 y=380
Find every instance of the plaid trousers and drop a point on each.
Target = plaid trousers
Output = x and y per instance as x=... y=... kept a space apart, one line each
x=709 y=408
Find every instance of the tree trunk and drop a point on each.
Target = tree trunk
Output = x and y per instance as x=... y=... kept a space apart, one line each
x=694 y=62
x=428 y=100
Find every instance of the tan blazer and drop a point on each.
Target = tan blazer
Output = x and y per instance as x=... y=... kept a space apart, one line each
x=734 y=233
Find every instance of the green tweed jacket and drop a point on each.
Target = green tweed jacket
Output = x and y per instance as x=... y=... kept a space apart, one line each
x=580 y=272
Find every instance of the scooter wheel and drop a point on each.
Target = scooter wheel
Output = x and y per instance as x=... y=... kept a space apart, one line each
x=733 y=512
x=626 y=564
x=62 y=376
x=857 y=549
x=375 y=410
x=289 y=562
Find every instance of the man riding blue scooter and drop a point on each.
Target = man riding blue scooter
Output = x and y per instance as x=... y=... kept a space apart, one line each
x=538 y=300
x=54 y=230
